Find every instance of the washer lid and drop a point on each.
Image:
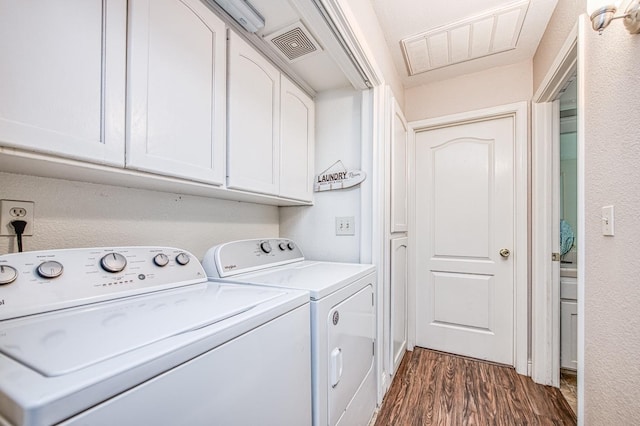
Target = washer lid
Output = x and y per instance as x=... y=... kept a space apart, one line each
x=318 y=278
x=61 y=342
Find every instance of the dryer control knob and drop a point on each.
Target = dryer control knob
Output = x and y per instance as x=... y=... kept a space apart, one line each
x=290 y=245
x=161 y=259
x=182 y=258
x=282 y=246
x=265 y=246
x=50 y=269
x=8 y=274
x=113 y=262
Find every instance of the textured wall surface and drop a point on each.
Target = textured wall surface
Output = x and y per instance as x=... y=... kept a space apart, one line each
x=612 y=177
x=75 y=214
x=562 y=22
x=496 y=86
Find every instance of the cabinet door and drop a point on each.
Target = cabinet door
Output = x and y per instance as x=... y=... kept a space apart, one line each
x=569 y=334
x=296 y=142
x=399 y=169
x=253 y=117
x=398 y=315
x=62 y=77
x=176 y=92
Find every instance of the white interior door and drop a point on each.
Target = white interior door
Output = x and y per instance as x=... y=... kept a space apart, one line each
x=464 y=220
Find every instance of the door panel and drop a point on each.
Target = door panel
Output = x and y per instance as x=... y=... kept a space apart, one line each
x=176 y=90
x=465 y=215
x=398 y=301
x=351 y=333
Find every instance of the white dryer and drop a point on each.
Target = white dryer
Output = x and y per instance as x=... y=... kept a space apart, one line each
x=342 y=319
x=139 y=336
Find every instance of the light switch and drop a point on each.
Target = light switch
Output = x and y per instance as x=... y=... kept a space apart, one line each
x=346 y=225
x=607 y=221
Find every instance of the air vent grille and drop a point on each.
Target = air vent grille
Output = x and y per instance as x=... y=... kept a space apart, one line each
x=489 y=33
x=294 y=42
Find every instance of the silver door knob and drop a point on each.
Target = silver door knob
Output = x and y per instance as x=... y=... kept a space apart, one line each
x=505 y=252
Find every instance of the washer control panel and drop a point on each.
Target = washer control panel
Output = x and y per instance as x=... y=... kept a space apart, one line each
x=41 y=281
x=242 y=256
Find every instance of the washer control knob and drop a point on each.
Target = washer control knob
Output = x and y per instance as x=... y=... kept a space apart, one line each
x=8 y=274
x=50 y=269
x=182 y=258
x=161 y=259
x=265 y=247
x=290 y=245
x=282 y=246
x=113 y=262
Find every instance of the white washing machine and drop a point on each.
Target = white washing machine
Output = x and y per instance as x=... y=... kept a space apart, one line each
x=139 y=336
x=342 y=319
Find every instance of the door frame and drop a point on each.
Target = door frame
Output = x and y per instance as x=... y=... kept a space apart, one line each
x=545 y=274
x=520 y=112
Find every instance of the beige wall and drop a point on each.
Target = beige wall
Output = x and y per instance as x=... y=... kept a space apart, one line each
x=74 y=214
x=493 y=87
x=612 y=177
x=562 y=22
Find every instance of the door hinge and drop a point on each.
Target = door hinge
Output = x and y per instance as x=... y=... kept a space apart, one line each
x=373 y=348
x=372 y=302
x=555 y=257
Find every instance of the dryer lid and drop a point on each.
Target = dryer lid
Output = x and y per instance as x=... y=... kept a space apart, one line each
x=62 y=342
x=318 y=278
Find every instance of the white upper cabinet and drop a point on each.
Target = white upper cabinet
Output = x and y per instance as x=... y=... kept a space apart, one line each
x=62 y=78
x=297 y=147
x=399 y=169
x=271 y=128
x=176 y=90
x=254 y=118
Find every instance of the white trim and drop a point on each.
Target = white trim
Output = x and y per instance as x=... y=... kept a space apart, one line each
x=545 y=304
x=519 y=111
x=583 y=25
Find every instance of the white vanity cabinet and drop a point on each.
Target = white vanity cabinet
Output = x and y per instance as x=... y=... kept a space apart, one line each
x=270 y=128
x=62 y=78
x=176 y=90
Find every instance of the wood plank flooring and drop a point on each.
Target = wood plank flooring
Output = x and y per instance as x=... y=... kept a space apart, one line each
x=434 y=388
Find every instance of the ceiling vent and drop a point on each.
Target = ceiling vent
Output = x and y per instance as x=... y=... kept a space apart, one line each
x=294 y=42
x=489 y=33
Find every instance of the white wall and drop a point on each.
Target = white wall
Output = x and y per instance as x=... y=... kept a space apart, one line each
x=372 y=38
x=75 y=214
x=493 y=87
x=338 y=117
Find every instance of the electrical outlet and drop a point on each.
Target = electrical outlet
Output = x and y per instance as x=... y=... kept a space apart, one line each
x=11 y=210
x=346 y=225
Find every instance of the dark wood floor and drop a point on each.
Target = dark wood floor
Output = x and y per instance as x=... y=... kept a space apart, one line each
x=433 y=388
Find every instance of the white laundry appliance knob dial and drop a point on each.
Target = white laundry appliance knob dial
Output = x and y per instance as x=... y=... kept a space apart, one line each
x=182 y=258
x=8 y=274
x=282 y=246
x=161 y=259
x=113 y=262
x=265 y=246
x=290 y=245
x=50 y=269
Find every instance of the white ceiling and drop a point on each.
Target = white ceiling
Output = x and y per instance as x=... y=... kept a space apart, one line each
x=400 y=19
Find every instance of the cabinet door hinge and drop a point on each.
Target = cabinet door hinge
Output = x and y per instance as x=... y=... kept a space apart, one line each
x=555 y=257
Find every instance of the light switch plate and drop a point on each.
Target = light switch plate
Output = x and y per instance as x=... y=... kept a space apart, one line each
x=607 y=221
x=346 y=225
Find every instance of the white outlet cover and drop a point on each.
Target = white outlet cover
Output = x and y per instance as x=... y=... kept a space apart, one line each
x=5 y=216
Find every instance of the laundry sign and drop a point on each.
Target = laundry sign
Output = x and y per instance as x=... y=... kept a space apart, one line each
x=338 y=177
